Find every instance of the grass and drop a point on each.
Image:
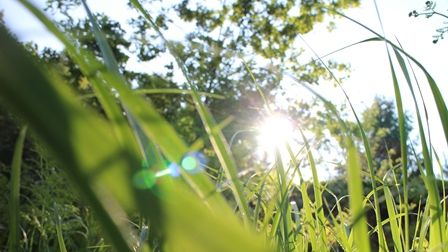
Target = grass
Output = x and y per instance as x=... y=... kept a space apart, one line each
x=14 y=205
x=188 y=214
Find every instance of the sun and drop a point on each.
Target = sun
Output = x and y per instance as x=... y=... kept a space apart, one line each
x=274 y=133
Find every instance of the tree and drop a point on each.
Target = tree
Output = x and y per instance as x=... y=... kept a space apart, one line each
x=380 y=122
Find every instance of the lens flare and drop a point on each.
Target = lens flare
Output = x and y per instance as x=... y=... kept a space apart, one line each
x=189 y=163
x=144 y=179
x=174 y=170
x=193 y=162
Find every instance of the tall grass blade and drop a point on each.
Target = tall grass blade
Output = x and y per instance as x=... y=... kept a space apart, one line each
x=67 y=124
x=403 y=138
x=437 y=218
x=359 y=225
x=283 y=206
x=14 y=198
x=394 y=226
x=61 y=241
x=319 y=208
x=403 y=149
x=308 y=220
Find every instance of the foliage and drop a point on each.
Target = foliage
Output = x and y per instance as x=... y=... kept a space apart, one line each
x=430 y=10
x=380 y=122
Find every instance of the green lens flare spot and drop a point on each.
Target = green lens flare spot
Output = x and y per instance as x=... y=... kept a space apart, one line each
x=189 y=163
x=144 y=179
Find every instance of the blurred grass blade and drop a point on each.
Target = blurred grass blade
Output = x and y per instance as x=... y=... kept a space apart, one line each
x=308 y=220
x=393 y=220
x=163 y=91
x=143 y=111
x=194 y=228
x=79 y=139
x=61 y=242
x=359 y=230
x=320 y=218
x=14 y=198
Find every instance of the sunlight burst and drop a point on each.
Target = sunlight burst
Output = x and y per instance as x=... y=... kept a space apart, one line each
x=274 y=133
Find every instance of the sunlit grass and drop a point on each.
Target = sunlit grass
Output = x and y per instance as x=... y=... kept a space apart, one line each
x=172 y=194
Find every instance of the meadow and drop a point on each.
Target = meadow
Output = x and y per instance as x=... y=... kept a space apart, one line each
x=143 y=188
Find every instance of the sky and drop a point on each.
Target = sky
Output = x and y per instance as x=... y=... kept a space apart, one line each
x=370 y=72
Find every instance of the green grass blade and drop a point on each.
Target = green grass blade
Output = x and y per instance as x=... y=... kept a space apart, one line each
x=106 y=51
x=94 y=69
x=437 y=219
x=425 y=226
x=60 y=237
x=194 y=228
x=403 y=148
x=354 y=178
x=14 y=198
x=359 y=229
x=60 y=122
x=339 y=229
x=283 y=205
x=417 y=225
x=320 y=218
x=442 y=179
x=394 y=226
x=308 y=220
